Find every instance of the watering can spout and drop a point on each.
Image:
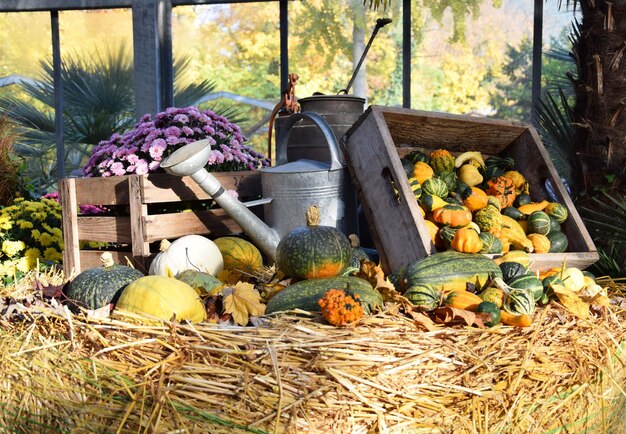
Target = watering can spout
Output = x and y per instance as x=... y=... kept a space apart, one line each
x=190 y=161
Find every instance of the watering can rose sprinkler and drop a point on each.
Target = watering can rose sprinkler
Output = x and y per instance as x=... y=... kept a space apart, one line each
x=288 y=188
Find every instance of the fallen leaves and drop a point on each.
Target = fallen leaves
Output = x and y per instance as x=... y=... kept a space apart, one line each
x=242 y=301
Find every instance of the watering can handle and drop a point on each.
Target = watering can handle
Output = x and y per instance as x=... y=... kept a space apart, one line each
x=283 y=138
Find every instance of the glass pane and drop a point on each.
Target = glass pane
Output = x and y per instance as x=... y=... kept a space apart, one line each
x=461 y=52
x=240 y=55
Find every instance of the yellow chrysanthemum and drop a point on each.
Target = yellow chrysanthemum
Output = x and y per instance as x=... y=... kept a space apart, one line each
x=23 y=224
x=32 y=255
x=45 y=239
x=51 y=254
x=22 y=265
x=5 y=223
x=35 y=233
x=12 y=248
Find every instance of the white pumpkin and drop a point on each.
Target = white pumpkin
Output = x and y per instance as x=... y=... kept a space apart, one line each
x=191 y=252
x=573 y=278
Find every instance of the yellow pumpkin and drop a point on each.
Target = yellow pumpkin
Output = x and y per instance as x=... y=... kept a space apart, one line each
x=422 y=171
x=478 y=199
x=239 y=254
x=469 y=174
x=541 y=243
x=452 y=215
x=466 y=240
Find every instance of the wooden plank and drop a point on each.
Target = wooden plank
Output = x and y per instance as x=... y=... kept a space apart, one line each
x=108 y=229
x=138 y=211
x=167 y=226
x=162 y=188
x=110 y=190
x=69 y=224
x=91 y=258
x=374 y=165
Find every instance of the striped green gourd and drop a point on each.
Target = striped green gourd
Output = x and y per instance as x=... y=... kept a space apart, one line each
x=491 y=243
x=436 y=187
x=556 y=210
x=558 y=242
x=450 y=270
x=529 y=282
x=539 y=223
x=519 y=301
x=424 y=296
x=305 y=294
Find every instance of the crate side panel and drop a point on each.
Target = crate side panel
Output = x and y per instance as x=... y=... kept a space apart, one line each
x=110 y=229
x=167 y=226
x=396 y=225
x=91 y=258
x=162 y=188
x=533 y=160
x=456 y=133
x=110 y=190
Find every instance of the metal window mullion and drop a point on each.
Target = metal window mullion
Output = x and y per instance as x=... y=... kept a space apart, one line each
x=58 y=93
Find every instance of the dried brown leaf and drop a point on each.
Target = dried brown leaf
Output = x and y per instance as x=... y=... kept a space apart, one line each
x=242 y=301
x=571 y=301
x=452 y=315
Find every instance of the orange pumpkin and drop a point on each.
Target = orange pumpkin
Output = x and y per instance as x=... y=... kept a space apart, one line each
x=478 y=199
x=466 y=240
x=453 y=215
x=502 y=188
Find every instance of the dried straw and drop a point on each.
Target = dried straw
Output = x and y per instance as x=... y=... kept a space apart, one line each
x=295 y=374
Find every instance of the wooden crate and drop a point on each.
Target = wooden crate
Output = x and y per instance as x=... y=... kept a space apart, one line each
x=135 y=228
x=375 y=143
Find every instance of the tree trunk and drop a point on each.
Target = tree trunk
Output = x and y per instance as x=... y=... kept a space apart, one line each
x=600 y=112
x=359 y=87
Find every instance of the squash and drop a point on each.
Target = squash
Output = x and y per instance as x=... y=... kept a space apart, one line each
x=518 y=179
x=314 y=250
x=514 y=320
x=513 y=234
x=491 y=244
x=96 y=287
x=422 y=171
x=573 y=278
x=503 y=189
x=305 y=294
x=511 y=269
x=450 y=179
x=449 y=270
x=239 y=254
x=429 y=203
x=558 y=242
x=489 y=219
x=415 y=156
x=539 y=223
x=462 y=299
x=493 y=294
x=519 y=301
x=557 y=211
x=442 y=161
x=433 y=229
x=522 y=199
x=162 y=297
x=491 y=311
x=466 y=240
x=190 y=252
x=469 y=174
x=446 y=233
x=529 y=208
x=416 y=187
x=339 y=307
x=203 y=283
x=452 y=215
x=476 y=200
x=407 y=165
x=424 y=296
x=360 y=253
x=528 y=282
x=435 y=186
x=515 y=256
x=513 y=212
x=541 y=243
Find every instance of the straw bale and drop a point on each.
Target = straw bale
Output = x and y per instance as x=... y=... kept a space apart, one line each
x=295 y=374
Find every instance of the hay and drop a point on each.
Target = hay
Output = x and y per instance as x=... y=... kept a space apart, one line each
x=294 y=374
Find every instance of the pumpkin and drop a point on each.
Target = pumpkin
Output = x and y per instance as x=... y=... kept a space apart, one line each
x=162 y=297
x=521 y=320
x=239 y=254
x=494 y=202
x=514 y=256
x=557 y=211
x=422 y=171
x=522 y=199
x=466 y=240
x=340 y=308
x=573 y=278
x=416 y=187
x=442 y=161
x=429 y=202
x=450 y=179
x=469 y=174
x=432 y=231
x=512 y=212
x=96 y=287
x=512 y=269
x=491 y=312
x=305 y=294
x=518 y=179
x=491 y=244
x=493 y=294
x=528 y=282
x=448 y=270
x=452 y=215
x=203 y=283
x=489 y=219
x=446 y=233
x=531 y=207
x=462 y=299
x=519 y=301
x=314 y=250
x=558 y=242
x=415 y=156
x=190 y=252
x=503 y=189
x=435 y=186
x=424 y=296
x=541 y=243
x=360 y=253
x=477 y=199
x=538 y=223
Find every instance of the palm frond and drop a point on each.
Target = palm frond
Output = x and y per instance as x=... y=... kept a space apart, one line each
x=605 y=217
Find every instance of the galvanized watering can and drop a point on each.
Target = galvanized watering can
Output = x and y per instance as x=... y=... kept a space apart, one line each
x=289 y=188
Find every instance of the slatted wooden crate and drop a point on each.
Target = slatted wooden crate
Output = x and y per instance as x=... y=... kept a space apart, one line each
x=135 y=228
x=375 y=143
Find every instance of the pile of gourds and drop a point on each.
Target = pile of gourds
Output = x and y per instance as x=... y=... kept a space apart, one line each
x=476 y=205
